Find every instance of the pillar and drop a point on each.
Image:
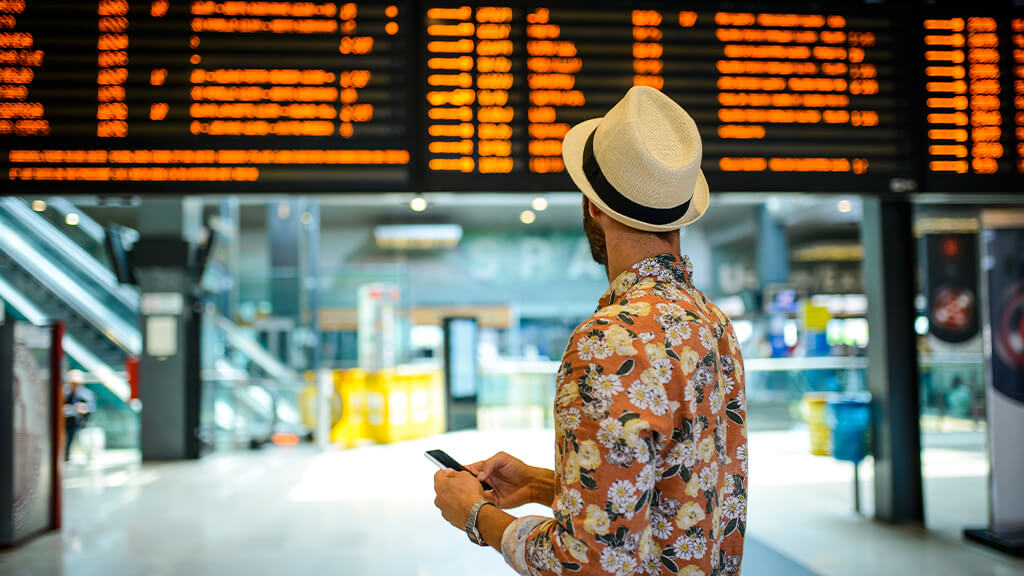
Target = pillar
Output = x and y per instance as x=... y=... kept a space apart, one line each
x=889 y=267
x=169 y=316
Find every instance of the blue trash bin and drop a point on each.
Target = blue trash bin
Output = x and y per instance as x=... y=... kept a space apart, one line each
x=852 y=416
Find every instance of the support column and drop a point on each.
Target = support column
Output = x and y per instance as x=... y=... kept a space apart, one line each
x=293 y=233
x=310 y=274
x=889 y=268
x=771 y=251
x=169 y=370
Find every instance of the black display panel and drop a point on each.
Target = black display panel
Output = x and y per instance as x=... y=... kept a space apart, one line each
x=216 y=96
x=120 y=97
x=785 y=100
x=973 y=78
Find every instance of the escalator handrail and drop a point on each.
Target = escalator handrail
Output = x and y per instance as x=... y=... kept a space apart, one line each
x=241 y=341
x=72 y=347
x=85 y=263
x=126 y=336
x=90 y=227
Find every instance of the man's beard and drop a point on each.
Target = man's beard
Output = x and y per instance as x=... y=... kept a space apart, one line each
x=595 y=235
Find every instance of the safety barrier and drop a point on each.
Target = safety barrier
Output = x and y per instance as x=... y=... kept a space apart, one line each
x=388 y=406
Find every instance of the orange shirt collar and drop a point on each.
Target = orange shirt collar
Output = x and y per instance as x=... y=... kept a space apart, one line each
x=663 y=267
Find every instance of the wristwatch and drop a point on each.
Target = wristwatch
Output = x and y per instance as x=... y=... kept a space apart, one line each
x=471 y=530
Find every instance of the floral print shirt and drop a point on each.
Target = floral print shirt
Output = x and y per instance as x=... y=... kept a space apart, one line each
x=651 y=449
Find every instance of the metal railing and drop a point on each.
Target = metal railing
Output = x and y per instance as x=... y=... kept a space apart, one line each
x=66 y=288
x=72 y=347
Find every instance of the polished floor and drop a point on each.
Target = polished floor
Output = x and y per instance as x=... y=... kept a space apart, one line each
x=369 y=511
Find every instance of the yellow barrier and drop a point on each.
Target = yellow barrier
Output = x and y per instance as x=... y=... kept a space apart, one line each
x=389 y=406
x=350 y=428
x=307 y=406
x=820 y=433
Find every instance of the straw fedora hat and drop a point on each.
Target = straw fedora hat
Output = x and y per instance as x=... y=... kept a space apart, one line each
x=640 y=163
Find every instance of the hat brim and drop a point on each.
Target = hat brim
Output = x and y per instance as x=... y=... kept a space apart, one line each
x=572 y=155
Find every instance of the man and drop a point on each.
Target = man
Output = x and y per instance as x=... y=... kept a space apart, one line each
x=651 y=464
x=79 y=404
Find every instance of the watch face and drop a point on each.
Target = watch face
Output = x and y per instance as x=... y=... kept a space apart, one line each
x=953 y=308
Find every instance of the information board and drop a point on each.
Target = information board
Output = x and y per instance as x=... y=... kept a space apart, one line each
x=205 y=95
x=784 y=101
x=974 y=86
x=123 y=97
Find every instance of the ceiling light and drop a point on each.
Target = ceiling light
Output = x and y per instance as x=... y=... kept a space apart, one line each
x=418 y=204
x=845 y=206
x=284 y=210
x=71 y=219
x=540 y=204
x=39 y=205
x=527 y=217
x=306 y=218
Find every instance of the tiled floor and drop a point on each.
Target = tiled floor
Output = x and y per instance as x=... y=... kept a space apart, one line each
x=370 y=511
x=803 y=507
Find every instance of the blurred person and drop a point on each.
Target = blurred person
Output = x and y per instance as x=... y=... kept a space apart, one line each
x=650 y=472
x=958 y=399
x=79 y=404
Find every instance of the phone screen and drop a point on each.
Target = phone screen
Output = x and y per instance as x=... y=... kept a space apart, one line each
x=443 y=460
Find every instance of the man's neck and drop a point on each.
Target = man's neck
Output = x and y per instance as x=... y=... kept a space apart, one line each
x=631 y=249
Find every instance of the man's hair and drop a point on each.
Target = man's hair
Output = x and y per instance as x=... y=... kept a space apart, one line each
x=666 y=236
x=663 y=236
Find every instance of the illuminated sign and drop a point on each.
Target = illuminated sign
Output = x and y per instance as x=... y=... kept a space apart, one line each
x=974 y=66
x=125 y=97
x=785 y=101
x=204 y=96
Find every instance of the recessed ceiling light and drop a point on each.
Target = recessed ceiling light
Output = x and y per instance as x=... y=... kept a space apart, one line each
x=527 y=217
x=39 y=205
x=540 y=204
x=845 y=206
x=418 y=204
x=71 y=219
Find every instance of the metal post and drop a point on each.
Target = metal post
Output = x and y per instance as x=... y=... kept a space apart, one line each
x=856 y=487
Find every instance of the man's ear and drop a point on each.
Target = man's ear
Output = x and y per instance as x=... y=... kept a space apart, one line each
x=594 y=210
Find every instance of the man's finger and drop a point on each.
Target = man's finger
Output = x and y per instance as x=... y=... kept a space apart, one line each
x=487 y=467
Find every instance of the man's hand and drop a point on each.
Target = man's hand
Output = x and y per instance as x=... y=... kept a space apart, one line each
x=456 y=494
x=514 y=482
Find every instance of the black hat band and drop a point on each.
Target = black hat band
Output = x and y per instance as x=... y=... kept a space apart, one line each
x=619 y=203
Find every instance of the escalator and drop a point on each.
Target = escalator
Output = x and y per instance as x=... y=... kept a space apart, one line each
x=52 y=270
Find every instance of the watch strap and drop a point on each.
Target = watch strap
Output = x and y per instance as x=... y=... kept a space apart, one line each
x=471 y=529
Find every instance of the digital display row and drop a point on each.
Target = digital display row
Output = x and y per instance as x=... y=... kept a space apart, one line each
x=124 y=97
x=205 y=95
x=815 y=98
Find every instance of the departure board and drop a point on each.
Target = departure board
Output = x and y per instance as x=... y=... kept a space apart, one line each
x=784 y=100
x=974 y=85
x=125 y=97
x=205 y=95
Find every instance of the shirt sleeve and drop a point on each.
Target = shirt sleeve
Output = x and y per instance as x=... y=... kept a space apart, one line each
x=610 y=407
x=89 y=397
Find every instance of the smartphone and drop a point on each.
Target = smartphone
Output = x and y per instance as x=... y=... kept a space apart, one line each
x=443 y=460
